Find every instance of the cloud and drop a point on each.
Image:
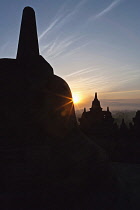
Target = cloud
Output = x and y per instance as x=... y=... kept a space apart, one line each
x=106 y=10
x=89 y=83
x=127 y=91
x=82 y=71
x=75 y=10
x=58 y=46
x=76 y=49
x=51 y=26
x=63 y=18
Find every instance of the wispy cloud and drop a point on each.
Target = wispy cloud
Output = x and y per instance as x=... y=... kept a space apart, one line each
x=75 y=10
x=62 y=18
x=106 y=10
x=102 y=80
x=77 y=49
x=127 y=91
x=88 y=83
x=58 y=46
x=50 y=27
x=82 y=71
x=54 y=22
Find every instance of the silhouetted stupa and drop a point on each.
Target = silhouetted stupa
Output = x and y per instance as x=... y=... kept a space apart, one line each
x=45 y=159
x=32 y=93
x=96 y=121
x=96 y=105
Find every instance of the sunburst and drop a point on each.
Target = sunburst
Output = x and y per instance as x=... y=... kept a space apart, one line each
x=76 y=97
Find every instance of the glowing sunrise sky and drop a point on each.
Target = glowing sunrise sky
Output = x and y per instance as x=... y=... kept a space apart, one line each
x=93 y=44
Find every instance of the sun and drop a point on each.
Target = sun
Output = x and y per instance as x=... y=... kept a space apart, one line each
x=76 y=98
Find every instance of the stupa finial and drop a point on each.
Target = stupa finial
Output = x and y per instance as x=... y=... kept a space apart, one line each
x=28 y=40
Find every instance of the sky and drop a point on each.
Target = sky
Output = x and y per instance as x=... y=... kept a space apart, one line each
x=93 y=44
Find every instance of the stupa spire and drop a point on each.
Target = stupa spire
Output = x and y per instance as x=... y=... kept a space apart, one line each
x=28 y=41
x=96 y=103
x=95 y=95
